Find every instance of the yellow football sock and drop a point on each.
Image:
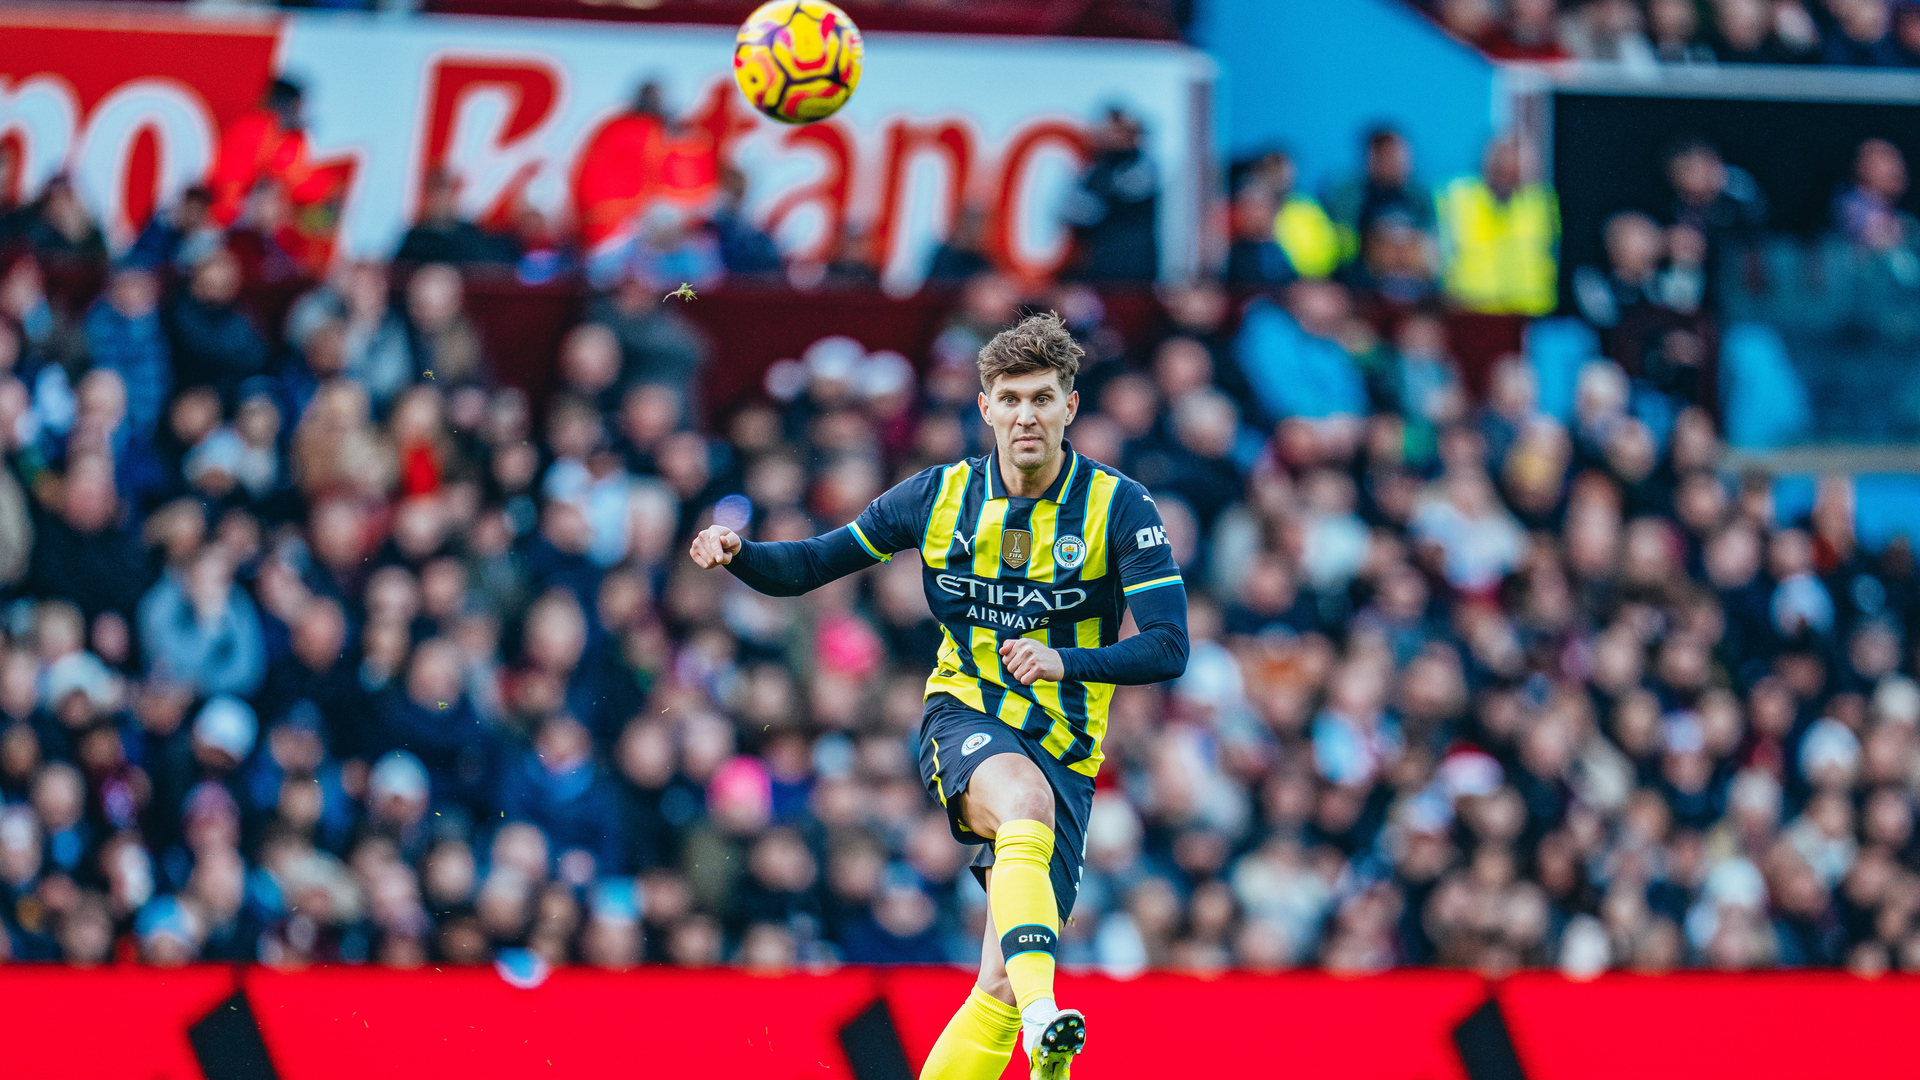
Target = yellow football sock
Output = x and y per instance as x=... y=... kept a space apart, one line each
x=977 y=1041
x=1021 y=899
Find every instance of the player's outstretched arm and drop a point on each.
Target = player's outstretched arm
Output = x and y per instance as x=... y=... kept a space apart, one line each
x=782 y=568
x=791 y=567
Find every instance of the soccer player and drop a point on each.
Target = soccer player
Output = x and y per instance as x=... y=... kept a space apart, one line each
x=1032 y=555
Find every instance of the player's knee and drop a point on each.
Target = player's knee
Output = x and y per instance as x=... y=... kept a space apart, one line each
x=997 y=985
x=1008 y=788
x=1031 y=802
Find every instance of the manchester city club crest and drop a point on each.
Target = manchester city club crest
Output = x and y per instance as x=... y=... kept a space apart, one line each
x=1069 y=552
x=1016 y=546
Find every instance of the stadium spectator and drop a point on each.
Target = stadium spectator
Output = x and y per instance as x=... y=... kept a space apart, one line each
x=441 y=235
x=1862 y=35
x=854 y=261
x=1608 y=30
x=1906 y=32
x=963 y=254
x=102 y=425
x=1531 y=32
x=58 y=225
x=1254 y=256
x=1291 y=358
x=267 y=243
x=1636 y=251
x=1416 y=379
x=546 y=253
x=214 y=342
x=1387 y=188
x=1719 y=201
x=1399 y=263
x=558 y=786
x=200 y=628
x=373 y=338
x=444 y=342
x=1500 y=235
x=1114 y=209
x=268 y=143
x=81 y=550
x=1674 y=29
x=12 y=217
x=428 y=715
x=125 y=335
x=178 y=236
x=644 y=182
x=315 y=670
x=16 y=522
x=23 y=300
x=1472 y=21
x=1755 y=32
x=1299 y=224
x=745 y=248
x=1868 y=212
x=317 y=355
x=656 y=345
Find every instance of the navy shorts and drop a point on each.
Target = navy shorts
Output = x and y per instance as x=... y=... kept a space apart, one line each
x=955 y=739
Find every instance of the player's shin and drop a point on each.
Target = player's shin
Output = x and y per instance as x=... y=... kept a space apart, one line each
x=977 y=1041
x=1020 y=895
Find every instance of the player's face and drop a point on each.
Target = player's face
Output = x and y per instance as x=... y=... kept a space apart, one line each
x=1029 y=415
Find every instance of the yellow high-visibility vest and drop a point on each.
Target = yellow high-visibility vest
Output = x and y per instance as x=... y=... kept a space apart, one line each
x=1500 y=256
x=1308 y=236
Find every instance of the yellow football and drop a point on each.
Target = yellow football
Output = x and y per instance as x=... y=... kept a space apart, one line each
x=797 y=60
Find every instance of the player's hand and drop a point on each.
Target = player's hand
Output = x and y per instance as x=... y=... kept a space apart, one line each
x=1029 y=661
x=716 y=545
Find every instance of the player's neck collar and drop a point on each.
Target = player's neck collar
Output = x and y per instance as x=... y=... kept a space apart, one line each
x=1056 y=491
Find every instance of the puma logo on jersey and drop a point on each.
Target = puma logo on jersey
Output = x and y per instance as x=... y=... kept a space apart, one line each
x=966 y=542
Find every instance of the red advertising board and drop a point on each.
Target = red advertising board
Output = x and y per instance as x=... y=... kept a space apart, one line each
x=1305 y=1025
x=1705 y=1025
x=470 y=1024
x=125 y=103
x=64 y=1024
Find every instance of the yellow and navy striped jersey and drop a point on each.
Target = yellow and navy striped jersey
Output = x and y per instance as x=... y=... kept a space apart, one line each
x=1058 y=569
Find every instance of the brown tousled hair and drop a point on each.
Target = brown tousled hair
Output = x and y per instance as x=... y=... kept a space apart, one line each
x=1035 y=343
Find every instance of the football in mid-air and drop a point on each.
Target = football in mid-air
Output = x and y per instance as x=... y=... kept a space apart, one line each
x=797 y=60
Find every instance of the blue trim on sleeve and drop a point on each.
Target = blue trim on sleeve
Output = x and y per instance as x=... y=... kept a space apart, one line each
x=862 y=538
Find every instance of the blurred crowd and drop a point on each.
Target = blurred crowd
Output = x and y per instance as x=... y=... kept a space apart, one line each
x=353 y=656
x=1649 y=33
x=321 y=644
x=1691 y=288
x=1486 y=243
